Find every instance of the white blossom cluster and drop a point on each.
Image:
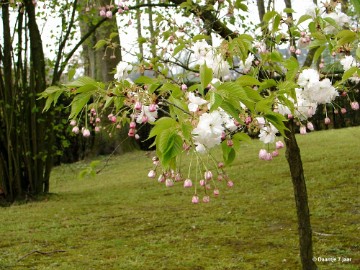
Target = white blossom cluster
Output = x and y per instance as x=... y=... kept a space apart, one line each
x=210 y=129
x=122 y=71
x=348 y=62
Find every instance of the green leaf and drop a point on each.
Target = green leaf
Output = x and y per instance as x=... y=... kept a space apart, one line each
x=304 y=18
x=79 y=103
x=264 y=105
x=71 y=74
x=81 y=82
x=292 y=66
x=186 y=129
x=318 y=53
x=178 y=49
x=145 y=80
x=205 y=77
x=288 y=10
x=358 y=52
x=277 y=120
x=247 y=80
x=161 y=125
x=113 y=34
x=215 y=100
x=269 y=83
x=345 y=36
x=240 y=136
x=269 y=15
x=101 y=43
x=228 y=153
x=200 y=37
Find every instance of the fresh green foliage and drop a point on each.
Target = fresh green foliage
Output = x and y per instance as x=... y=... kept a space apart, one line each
x=120 y=219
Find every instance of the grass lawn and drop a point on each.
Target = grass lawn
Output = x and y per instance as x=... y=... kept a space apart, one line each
x=120 y=219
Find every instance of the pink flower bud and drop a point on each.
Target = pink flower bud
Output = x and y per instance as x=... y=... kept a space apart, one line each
x=109 y=14
x=292 y=49
x=220 y=165
x=184 y=87
x=302 y=130
x=202 y=183
x=97 y=120
x=208 y=186
x=343 y=110
x=279 y=145
x=113 y=119
x=354 y=105
x=262 y=154
x=230 y=183
x=230 y=143
x=177 y=177
x=268 y=156
x=73 y=123
x=290 y=116
x=152 y=108
x=275 y=153
x=151 y=174
x=76 y=130
x=186 y=147
x=131 y=132
x=223 y=136
x=195 y=199
x=336 y=111
x=138 y=106
x=144 y=119
x=187 y=183
x=216 y=192
x=220 y=177
x=132 y=124
x=97 y=129
x=208 y=175
x=248 y=120
x=169 y=182
x=86 y=132
x=206 y=199
x=102 y=13
x=327 y=120
x=310 y=126
x=298 y=52
x=161 y=178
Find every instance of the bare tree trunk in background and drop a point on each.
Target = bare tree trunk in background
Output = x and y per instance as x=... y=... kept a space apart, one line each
x=152 y=32
x=261 y=9
x=138 y=27
x=98 y=63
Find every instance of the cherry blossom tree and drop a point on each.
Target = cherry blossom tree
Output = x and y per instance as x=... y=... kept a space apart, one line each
x=223 y=92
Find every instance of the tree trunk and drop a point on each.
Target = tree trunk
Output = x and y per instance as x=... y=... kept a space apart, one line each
x=301 y=199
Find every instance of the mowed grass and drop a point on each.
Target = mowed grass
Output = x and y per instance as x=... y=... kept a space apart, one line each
x=121 y=219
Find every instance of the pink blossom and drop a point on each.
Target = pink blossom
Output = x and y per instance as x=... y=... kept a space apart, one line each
x=151 y=174
x=202 y=182
x=298 y=52
x=102 y=13
x=279 y=145
x=161 y=178
x=208 y=175
x=292 y=49
x=248 y=120
x=262 y=154
x=97 y=129
x=73 y=123
x=230 y=183
x=131 y=132
x=343 y=110
x=275 y=153
x=97 y=120
x=206 y=199
x=216 y=192
x=169 y=182
x=76 y=130
x=230 y=143
x=220 y=177
x=310 y=126
x=86 y=132
x=132 y=124
x=327 y=120
x=354 y=105
x=187 y=183
x=109 y=14
x=302 y=130
x=137 y=136
x=184 y=87
x=220 y=165
x=195 y=199
x=152 y=108
x=177 y=177
x=138 y=106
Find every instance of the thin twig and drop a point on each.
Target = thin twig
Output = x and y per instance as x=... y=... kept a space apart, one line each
x=39 y=252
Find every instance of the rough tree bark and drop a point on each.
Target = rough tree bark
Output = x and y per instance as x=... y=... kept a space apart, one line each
x=301 y=199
